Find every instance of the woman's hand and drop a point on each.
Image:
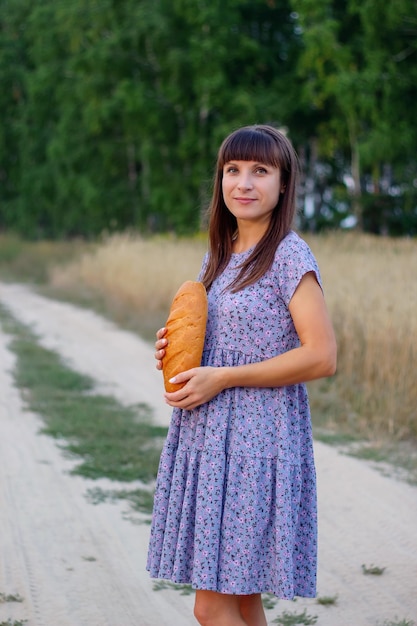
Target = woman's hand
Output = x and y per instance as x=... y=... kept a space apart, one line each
x=202 y=384
x=160 y=345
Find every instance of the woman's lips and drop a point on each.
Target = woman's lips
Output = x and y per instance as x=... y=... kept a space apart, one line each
x=245 y=200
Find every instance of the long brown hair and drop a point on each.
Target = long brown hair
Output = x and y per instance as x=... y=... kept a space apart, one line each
x=264 y=144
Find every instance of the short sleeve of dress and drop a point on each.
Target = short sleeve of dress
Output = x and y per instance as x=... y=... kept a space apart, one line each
x=293 y=260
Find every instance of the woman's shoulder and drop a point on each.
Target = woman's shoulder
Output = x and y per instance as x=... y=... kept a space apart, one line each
x=293 y=245
x=294 y=252
x=293 y=259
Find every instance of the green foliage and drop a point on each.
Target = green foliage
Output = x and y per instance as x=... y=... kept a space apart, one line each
x=113 y=111
x=122 y=106
x=358 y=68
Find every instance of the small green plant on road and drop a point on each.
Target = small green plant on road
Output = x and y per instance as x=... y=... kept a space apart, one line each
x=10 y=597
x=373 y=570
x=292 y=619
x=269 y=601
x=327 y=600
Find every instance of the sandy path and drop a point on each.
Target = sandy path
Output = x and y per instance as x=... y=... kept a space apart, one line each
x=77 y=564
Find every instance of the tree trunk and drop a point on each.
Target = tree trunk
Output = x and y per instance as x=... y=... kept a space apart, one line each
x=356 y=175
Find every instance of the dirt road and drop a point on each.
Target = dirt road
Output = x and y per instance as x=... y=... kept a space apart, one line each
x=76 y=564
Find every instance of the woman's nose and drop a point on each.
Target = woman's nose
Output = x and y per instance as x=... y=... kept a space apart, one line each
x=245 y=181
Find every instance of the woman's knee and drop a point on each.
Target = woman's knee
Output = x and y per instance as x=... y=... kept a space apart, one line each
x=212 y=608
x=202 y=609
x=205 y=607
x=201 y=612
x=252 y=611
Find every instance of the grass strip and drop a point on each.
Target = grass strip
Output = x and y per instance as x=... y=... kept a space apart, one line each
x=109 y=440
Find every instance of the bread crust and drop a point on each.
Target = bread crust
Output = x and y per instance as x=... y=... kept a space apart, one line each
x=186 y=329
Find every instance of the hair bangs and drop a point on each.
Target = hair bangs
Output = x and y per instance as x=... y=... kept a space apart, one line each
x=250 y=144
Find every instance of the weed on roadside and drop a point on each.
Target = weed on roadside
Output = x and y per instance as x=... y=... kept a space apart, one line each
x=402 y=622
x=292 y=619
x=269 y=601
x=398 y=459
x=140 y=499
x=10 y=597
x=107 y=439
x=373 y=570
x=327 y=600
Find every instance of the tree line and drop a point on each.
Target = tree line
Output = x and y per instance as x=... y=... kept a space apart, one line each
x=113 y=110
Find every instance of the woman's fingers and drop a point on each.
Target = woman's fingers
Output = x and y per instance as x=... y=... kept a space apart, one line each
x=160 y=345
x=161 y=332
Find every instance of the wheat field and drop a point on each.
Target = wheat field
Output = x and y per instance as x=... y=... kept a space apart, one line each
x=371 y=290
x=370 y=287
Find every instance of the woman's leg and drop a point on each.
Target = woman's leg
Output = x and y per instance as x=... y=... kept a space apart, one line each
x=252 y=610
x=218 y=609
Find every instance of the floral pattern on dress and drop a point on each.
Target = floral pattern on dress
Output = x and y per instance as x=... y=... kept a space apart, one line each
x=235 y=501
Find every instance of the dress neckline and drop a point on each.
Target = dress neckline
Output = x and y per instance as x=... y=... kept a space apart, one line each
x=236 y=254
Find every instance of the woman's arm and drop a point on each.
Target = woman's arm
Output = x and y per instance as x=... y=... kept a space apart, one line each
x=314 y=358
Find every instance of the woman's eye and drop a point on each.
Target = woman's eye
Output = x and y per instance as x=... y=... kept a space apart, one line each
x=231 y=169
x=261 y=170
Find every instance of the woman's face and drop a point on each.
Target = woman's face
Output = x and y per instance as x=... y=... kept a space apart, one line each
x=251 y=190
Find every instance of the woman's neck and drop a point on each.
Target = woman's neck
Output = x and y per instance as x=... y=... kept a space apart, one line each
x=245 y=238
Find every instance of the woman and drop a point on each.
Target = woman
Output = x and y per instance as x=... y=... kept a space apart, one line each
x=235 y=503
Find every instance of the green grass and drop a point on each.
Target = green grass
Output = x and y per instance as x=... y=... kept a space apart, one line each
x=327 y=600
x=373 y=570
x=10 y=597
x=31 y=261
x=393 y=456
x=402 y=622
x=397 y=459
x=140 y=500
x=291 y=619
x=269 y=601
x=105 y=438
x=334 y=438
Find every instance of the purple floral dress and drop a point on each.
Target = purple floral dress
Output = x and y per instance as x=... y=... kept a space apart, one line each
x=235 y=502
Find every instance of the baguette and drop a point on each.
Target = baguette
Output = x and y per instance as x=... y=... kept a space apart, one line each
x=186 y=329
